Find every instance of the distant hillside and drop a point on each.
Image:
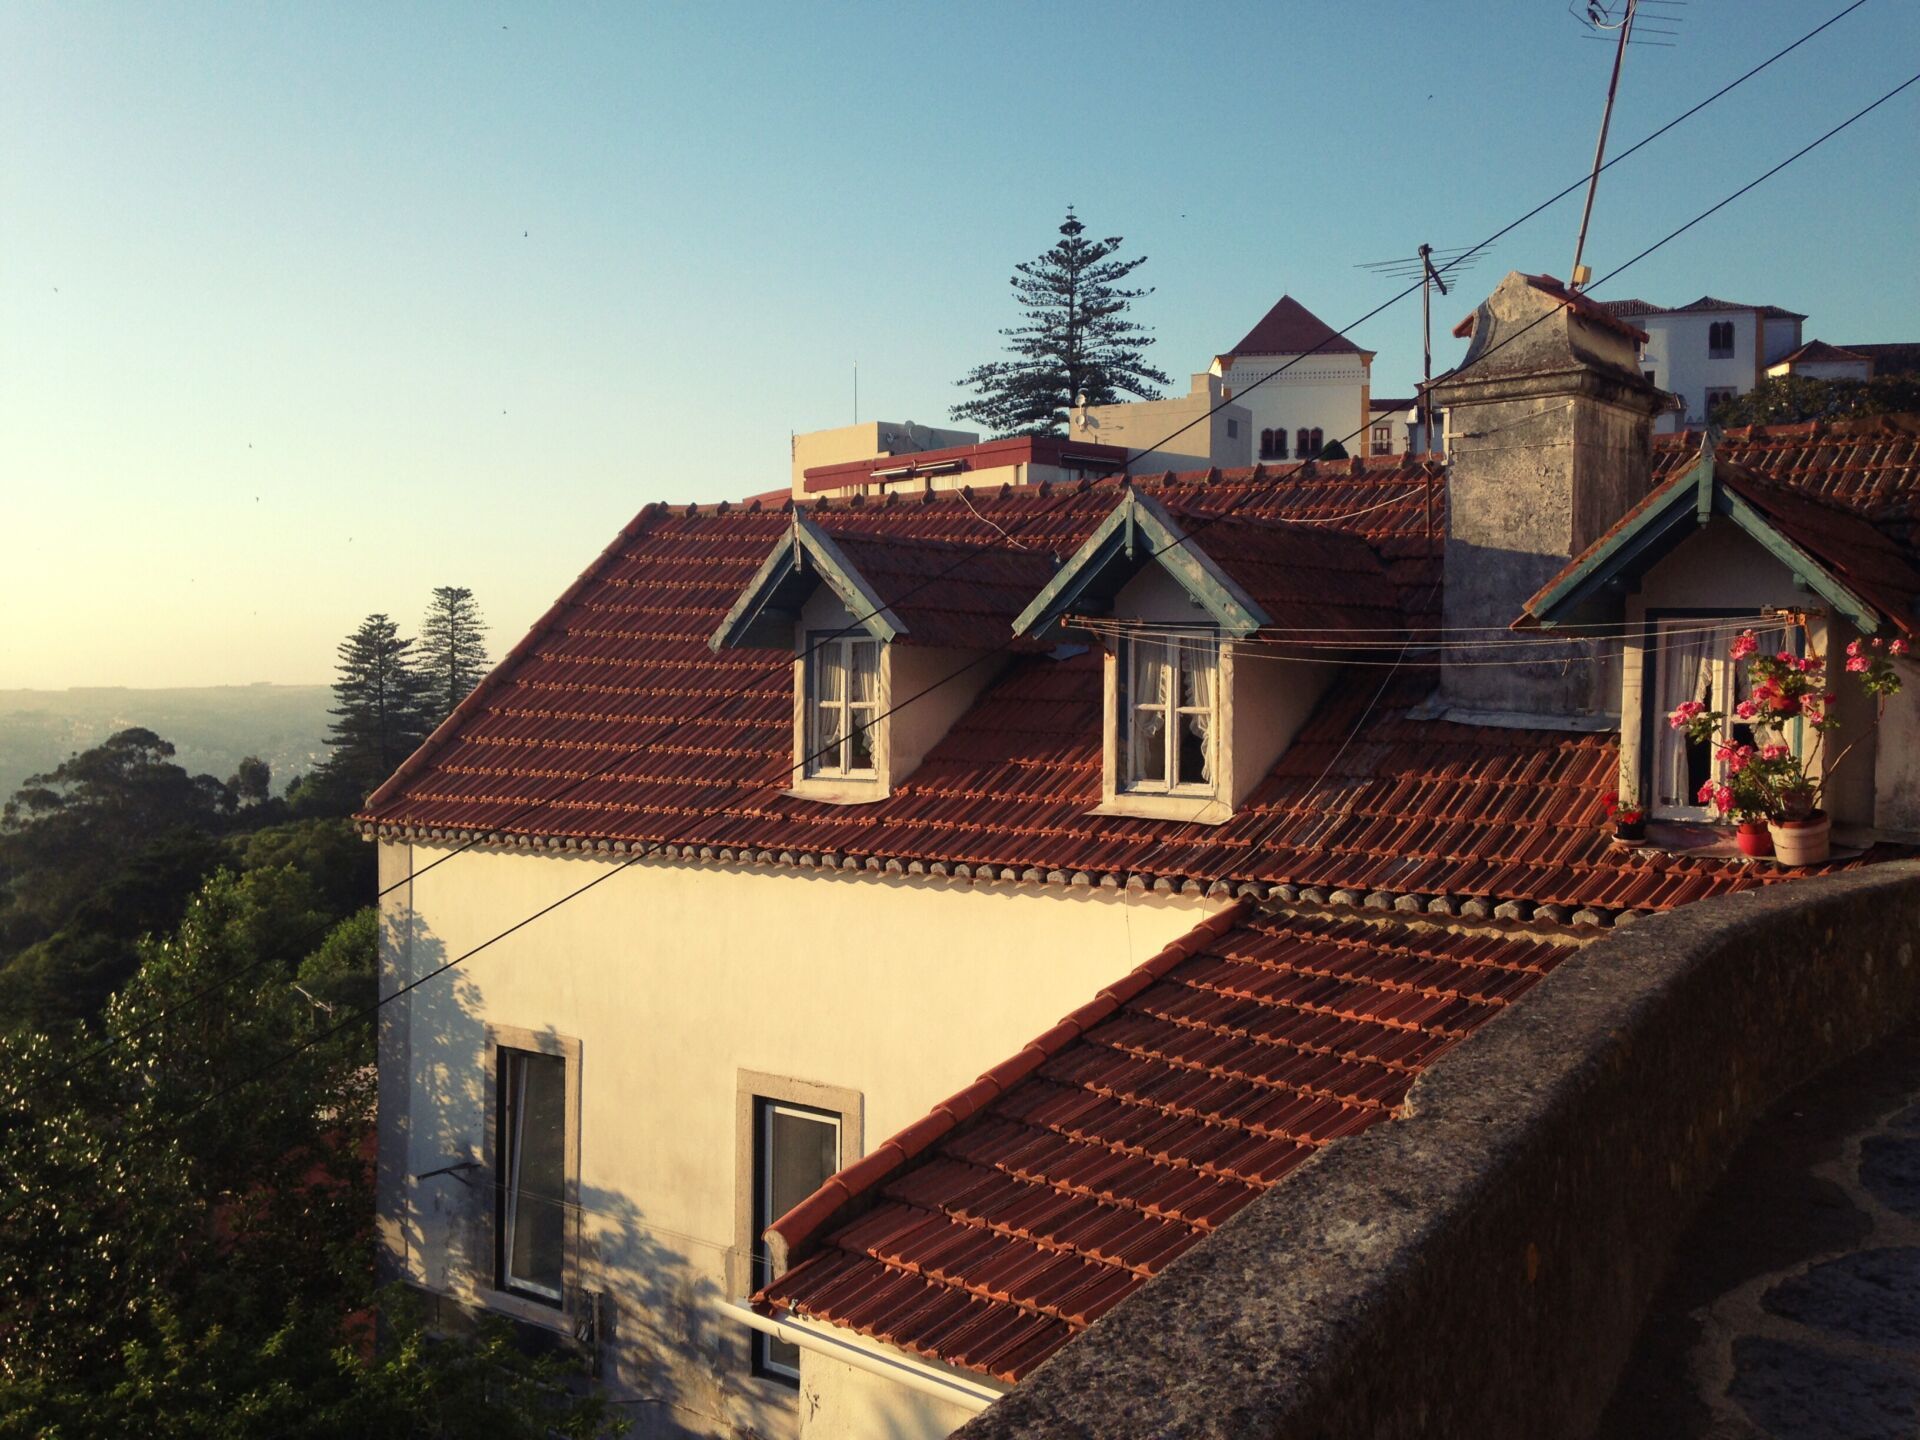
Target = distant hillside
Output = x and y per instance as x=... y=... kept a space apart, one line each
x=213 y=727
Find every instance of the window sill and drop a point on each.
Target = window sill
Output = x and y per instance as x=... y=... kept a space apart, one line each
x=525 y=1308
x=837 y=791
x=1193 y=809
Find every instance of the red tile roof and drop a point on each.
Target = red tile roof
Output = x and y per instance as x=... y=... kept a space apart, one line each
x=613 y=725
x=964 y=597
x=1289 y=328
x=1713 y=303
x=1869 y=465
x=1034 y=1201
x=1891 y=358
x=1820 y=351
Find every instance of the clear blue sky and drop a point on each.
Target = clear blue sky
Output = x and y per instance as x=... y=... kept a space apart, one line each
x=306 y=309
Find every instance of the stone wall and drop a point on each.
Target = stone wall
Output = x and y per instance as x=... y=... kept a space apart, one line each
x=1481 y=1266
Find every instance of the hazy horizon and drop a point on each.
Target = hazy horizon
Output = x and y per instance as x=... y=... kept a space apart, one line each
x=308 y=310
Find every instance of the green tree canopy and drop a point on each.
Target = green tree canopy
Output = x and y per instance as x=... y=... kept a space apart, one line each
x=383 y=709
x=1789 y=399
x=1076 y=340
x=186 y=1244
x=453 y=650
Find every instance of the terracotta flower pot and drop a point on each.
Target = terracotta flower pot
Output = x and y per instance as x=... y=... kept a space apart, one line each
x=1802 y=842
x=1753 y=838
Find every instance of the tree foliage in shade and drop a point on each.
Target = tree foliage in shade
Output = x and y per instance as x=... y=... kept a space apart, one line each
x=1076 y=340
x=453 y=650
x=1790 y=399
x=383 y=709
x=186 y=1239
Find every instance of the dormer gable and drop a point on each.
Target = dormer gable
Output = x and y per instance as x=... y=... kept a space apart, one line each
x=893 y=638
x=1219 y=634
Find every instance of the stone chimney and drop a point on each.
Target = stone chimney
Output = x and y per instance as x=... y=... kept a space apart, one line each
x=1551 y=424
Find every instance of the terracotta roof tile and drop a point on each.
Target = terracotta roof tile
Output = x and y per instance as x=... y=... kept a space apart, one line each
x=1263 y=1037
x=1289 y=328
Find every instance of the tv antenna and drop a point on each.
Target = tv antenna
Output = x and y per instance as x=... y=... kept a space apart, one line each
x=1619 y=20
x=1429 y=266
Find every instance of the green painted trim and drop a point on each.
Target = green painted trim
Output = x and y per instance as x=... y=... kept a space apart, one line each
x=1806 y=569
x=1139 y=521
x=1605 y=558
x=785 y=565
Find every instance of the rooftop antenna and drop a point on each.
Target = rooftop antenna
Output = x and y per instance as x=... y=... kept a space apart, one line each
x=1616 y=18
x=1430 y=267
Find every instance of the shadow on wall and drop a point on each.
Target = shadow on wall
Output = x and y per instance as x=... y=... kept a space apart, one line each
x=666 y=1357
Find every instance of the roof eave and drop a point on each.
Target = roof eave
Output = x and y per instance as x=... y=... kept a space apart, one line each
x=765 y=610
x=1140 y=531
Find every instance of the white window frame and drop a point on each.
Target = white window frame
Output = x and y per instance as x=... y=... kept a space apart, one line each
x=513 y=1089
x=1176 y=647
x=830 y=654
x=766 y=1109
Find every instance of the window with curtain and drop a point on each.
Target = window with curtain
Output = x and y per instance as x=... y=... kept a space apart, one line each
x=532 y=1187
x=843 y=697
x=1690 y=662
x=1171 y=705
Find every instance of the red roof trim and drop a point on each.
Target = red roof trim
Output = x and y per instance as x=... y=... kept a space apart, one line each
x=992 y=455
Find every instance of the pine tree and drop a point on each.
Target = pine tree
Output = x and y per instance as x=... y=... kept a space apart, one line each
x=453 y=654
x=1076 y=340
x=383 y=709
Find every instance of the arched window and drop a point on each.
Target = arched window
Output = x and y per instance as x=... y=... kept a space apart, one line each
x=1316 y=440
x=1303 y=443
x=1720 y=340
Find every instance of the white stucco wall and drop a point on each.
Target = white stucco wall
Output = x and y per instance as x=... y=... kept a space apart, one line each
x=673 y=979
x=1324 y=391
x=840 y=1402
x=1676 y=351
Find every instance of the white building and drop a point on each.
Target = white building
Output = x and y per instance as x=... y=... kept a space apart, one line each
x=1708 y=351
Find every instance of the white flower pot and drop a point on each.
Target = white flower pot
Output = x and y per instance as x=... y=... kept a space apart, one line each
x=1801 y=842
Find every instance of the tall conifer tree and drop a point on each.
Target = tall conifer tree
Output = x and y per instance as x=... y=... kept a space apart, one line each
x=382 y=711
x=452 y=651
x=1076 y=340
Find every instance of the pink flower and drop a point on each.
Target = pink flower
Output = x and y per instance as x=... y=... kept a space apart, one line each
x=1857 y=664
x=1684 y=712
x=1746 y=709
x=1723 y=798
x=1879 y=642
x=1898 y=647
x=1705 y=793
x=1853 y=647
x=1744 y=644
x=1785 y=657
x=1774 y=752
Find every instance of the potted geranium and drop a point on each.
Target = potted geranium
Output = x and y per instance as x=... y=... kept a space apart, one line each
x=1628 y=818
x=1766 y=779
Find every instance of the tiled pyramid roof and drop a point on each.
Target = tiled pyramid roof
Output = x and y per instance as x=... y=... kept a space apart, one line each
x=1289 y=328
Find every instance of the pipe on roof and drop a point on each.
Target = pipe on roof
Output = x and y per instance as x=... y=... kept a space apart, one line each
x=808 y=1335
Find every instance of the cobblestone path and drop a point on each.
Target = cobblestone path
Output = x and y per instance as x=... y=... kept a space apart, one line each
x=1792 y=1311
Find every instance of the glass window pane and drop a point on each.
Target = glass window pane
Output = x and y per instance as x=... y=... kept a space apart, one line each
x=829 y=670
x=860 y=739
x=536 y=1123
x=1149 y=757
x=827 y=735
x=864 y=671
x=797 y=1153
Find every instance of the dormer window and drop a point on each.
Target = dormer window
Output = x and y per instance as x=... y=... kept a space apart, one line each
x=843 y=683
x=1173 y=688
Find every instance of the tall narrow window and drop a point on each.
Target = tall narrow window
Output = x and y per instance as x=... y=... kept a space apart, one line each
x=795 y=1150
x=1720 y=340
x=1266 y=444
x=1303 y=446
x=1169 y=718
x=843 y=682
x=1316 y=440
x=532 y=1208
